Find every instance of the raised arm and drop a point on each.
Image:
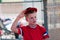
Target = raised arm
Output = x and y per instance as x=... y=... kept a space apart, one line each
x=14 y=25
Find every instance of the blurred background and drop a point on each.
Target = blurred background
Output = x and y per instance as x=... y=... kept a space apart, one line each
x=48 y=16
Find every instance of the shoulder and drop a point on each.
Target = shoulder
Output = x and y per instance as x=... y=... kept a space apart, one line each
x=23 y=27
x=41 y=27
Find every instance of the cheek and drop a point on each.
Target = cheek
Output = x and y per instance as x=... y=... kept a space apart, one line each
x=29 y=20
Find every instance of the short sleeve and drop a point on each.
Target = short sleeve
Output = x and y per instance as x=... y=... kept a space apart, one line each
x=44 y=33
x=19 y=31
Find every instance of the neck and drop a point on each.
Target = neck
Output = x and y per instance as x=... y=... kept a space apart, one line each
x=32 y=26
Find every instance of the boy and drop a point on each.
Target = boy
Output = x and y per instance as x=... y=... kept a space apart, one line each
x=32 y=31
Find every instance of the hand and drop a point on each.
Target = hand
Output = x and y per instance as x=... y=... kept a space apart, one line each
x=22 y=14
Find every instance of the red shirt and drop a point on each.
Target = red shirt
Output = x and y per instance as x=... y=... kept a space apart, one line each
x=38 y=33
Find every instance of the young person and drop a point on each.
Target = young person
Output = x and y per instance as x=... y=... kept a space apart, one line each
x=32 y=31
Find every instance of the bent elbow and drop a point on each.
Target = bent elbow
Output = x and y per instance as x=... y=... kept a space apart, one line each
x=12 y=28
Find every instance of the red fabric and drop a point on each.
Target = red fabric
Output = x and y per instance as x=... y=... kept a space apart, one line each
x=18 y=31
x=47 y=36
x=33 y=34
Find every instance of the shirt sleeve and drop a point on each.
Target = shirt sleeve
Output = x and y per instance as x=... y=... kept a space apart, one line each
x=44 y=33
x=19 y=31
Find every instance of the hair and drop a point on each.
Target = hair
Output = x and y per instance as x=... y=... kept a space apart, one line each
x=30 y=10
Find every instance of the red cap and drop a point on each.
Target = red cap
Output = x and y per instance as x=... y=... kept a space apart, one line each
x=31 y=10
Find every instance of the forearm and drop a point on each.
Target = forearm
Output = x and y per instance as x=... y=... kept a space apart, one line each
x=16 y=21
x=14 y=25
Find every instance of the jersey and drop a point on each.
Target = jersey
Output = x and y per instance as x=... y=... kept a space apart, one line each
x=38 y=33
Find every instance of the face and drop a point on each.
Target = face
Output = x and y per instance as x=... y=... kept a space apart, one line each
x=31 y=18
